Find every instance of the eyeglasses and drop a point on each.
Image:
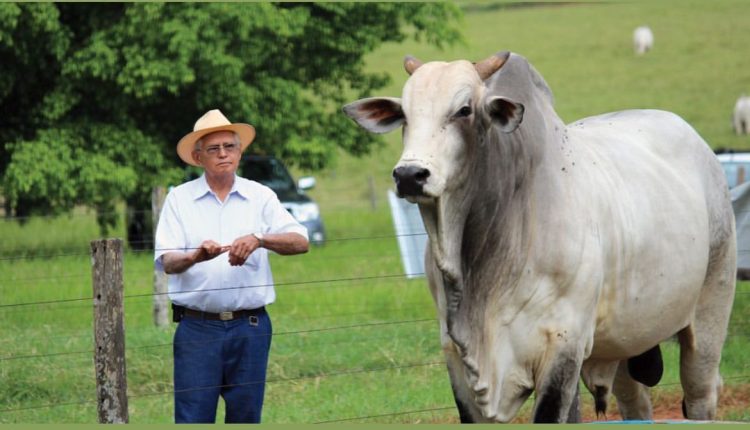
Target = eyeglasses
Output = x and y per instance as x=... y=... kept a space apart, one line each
x=227 y=147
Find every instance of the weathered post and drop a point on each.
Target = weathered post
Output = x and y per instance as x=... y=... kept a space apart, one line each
x=109 y=331
x=161 y=301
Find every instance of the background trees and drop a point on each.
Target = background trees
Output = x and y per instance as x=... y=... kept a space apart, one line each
x=94 y=96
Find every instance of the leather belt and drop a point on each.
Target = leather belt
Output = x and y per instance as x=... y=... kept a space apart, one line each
x=221 y=316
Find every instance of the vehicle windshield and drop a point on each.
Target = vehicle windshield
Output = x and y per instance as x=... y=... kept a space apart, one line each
x=269 y=172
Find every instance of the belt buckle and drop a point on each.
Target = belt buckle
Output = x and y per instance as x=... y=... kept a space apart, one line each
x=226 y=316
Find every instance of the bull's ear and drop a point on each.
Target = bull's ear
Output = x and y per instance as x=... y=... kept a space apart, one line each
x=504 y=112
x=377 y=114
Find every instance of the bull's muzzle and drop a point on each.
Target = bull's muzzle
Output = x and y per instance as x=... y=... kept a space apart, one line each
x=410 y=180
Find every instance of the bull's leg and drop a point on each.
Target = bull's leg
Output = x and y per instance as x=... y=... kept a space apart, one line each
x=461 y=393
x=574 y=413
x=699 y=372
x=701 y=341
x=633 y=399
x=558 y=391
x=463 y=409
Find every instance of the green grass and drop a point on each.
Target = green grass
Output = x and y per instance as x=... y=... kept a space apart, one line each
x=45 y=235
x=333 y=334
x=336 y=343
x=346 y=329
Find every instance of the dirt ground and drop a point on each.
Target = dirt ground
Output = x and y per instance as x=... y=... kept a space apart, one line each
x=734 y=403
x=668 y=405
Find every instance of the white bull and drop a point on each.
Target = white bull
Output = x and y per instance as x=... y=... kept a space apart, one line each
x=557 y=251
x=741 y=116
x=643 y=40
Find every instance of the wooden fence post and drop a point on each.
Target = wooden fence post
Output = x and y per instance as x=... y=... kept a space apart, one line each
x=161 y=301
x=109 y=332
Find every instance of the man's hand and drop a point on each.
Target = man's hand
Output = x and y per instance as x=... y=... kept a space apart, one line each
x=241 y=248
x=178 y=262
x=208 y=251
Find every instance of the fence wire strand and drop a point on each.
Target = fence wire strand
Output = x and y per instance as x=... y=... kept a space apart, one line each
x=278 y=284
x=269 y=381
x=200 y=343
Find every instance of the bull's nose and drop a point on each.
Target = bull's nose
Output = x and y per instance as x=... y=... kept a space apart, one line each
x=410 y=179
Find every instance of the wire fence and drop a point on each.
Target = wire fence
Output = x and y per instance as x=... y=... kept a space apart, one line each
x=43 y=354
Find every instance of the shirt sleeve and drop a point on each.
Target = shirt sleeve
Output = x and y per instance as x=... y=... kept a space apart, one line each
x=170 y=235
x=276 y=219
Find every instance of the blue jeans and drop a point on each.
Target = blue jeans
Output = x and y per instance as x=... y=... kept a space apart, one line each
x=220 y=358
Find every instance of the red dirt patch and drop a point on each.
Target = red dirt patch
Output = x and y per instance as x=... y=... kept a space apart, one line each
x=667 y=403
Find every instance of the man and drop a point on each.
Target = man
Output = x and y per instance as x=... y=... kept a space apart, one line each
x=213 y=236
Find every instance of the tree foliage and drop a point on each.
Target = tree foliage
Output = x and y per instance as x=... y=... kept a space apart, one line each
x=95 y=95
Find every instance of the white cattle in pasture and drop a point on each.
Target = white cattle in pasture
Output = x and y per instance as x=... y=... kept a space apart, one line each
x=561 y=250
x=741 y=117
x=643 y=40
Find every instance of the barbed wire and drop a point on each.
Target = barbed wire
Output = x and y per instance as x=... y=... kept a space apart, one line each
x=332 y=207
x=327 y=207
x=309 y=255
x=207 y=342
x=295 y=378
x=398 y=277
x=407 y=306
x=296 y=284
x=392 y=414
x=318 y=330
x=730 y=335
x=445 y=408
x=269 y=381
x=297 y=332
x=315 y=376
x=80 y=253
x=85 y=250
x=239 y=287
x=130 y=273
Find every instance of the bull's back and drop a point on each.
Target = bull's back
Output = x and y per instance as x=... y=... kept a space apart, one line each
x=649 y=180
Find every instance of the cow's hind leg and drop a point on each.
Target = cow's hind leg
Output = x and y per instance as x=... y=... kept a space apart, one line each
x=633 y=399
x=701 y=341
x=699 y=374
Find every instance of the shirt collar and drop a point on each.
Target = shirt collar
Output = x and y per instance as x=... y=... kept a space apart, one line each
x=202 y=188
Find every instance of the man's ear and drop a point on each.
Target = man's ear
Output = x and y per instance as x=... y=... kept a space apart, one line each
x=504 y=112
x=196 y=157
x=377 y=114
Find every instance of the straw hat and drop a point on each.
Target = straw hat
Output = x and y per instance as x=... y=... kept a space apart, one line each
x=210 y=122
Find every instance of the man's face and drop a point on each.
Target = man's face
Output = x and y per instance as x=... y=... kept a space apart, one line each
x=219 y=154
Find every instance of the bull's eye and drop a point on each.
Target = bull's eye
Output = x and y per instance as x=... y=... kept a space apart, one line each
x=463 y=112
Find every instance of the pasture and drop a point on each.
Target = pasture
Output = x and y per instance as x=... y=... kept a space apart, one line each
x=354 y=340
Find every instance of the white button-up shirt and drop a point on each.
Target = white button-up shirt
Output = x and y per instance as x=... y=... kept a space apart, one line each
x=192 y=213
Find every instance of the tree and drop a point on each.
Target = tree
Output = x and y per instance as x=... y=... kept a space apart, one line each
x=95 y=95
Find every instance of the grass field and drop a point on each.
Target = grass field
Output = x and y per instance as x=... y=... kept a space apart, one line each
x=354 y=339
